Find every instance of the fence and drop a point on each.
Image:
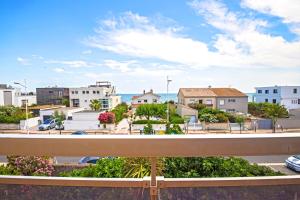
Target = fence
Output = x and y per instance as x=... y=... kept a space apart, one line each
x=284 y=187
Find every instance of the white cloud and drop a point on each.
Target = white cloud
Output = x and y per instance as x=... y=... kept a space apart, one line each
x=59 y=70
x=241 y=44
x=72 y=63
x=23 y=61
x=87 y=52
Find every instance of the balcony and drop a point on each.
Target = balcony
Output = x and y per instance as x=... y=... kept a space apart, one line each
x=154 y=187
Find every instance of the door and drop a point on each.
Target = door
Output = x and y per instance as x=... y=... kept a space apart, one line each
x=7 y=98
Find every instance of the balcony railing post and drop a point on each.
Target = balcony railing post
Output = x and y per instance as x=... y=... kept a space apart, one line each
x=153 y=182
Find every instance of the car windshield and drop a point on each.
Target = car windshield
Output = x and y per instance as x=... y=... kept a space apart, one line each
x=47 y=121
x=297 y=156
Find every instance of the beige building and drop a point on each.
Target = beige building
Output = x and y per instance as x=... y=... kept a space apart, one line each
x=225 y=99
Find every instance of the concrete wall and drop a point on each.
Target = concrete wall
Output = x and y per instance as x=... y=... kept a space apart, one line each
x=32 y=122
x=19 y=100
x=81 y=125
x=9 y=126
x=240 y=104
x=183 y=110
x=288 y=123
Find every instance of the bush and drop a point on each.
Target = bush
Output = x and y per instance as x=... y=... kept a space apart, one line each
x=176 y=119
x=11 y=114
x=221 y=117
x=31 y=165
x=148 y=129
x=105 y=167
x=197 y=106
x=148 y=122
x=214 y=167
x=140 y=167
x=175 y=129
x=107 y=118
x=120 y=111
x=7 y=170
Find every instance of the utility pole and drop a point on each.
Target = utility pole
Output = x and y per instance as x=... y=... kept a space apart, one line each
x=168 y=106
x=26 y=103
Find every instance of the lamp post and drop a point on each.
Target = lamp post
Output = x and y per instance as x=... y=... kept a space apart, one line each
x=168 y=107
x=26 y=103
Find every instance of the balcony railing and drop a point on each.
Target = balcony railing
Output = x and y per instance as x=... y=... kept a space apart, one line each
x=153 y=147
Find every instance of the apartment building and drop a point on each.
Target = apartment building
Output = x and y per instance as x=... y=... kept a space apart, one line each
x=102 y=91
x=226 y=99
x=289 y=96
x=52 y=95
x=10 y=96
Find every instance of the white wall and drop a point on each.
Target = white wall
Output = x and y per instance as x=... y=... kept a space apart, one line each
x=81 y=125
x=32 y=122
x=149 y=97
x=31 y=100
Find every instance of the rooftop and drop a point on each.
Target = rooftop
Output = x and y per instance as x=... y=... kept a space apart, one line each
x=211 y=92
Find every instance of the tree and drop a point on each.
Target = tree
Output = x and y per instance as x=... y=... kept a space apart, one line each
x=275 y=111
x=151 y=110
x=66 y=102
x=95 y=104
x=240 y=120
x=59 y=117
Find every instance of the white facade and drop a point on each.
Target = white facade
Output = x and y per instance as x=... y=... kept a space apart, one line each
x=20 y=101
x=49 y=112
x=145 y=98
x=289 y=96
x=13 y=97
x=82 y=96
x=83 y=121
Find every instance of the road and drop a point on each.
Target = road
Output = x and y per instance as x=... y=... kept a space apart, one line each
x=276 y=162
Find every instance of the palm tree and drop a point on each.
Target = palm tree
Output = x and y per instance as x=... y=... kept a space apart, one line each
x=95 y=104
x=275 y=111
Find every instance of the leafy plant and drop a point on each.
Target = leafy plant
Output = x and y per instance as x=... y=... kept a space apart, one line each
x=174 y=129
x=151 y=110
x=7 y=170
x=107 y=118
x=275 y=111
x=95 y=104
x=60 y=117
x=11 y=114
x=120 y=111
x=31 y=165
x=240 y=120
x=140 y=167
x=148 y=129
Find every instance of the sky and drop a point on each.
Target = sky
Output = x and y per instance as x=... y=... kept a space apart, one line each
x=136 y=44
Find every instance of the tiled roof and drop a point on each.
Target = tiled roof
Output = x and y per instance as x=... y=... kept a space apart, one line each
x=136 y=97
x=211 y=92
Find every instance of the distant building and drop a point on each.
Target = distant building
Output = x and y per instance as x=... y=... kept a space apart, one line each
x=102 y=91
x=52 y=95
x=225 y=99
x=289 y=96
x=145 y=98
x=10 y=96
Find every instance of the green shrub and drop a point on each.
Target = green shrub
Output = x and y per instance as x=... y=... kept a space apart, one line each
x=221 y=117
x=105 y=167
x=148 y=122
x=11 y=114
x=140 y=167
x=176 y=119
x=7 y=170
x=120 y=111
x=174 y=129
x=148 y=129
x=214 y=167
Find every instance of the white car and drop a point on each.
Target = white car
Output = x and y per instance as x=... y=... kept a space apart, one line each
x=47 y=125
x=293 y=163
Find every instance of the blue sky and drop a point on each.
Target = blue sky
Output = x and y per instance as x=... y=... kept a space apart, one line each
x=136 y=44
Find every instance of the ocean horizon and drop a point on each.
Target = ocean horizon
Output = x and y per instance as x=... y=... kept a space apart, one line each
x=164 y=97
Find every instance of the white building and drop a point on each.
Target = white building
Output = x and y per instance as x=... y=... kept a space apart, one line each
x=10 y=96
x=47 y=113
x=102 y=91
x=289 y=96
x=84 y=120
x=145 y=98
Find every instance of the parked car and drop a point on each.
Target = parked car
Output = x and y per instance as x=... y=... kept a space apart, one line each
x=61 y=127
x=79 y=133
x=48 y=124
x=88 y=160
x=293 y=163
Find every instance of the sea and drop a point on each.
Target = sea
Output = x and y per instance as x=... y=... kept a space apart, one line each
x=164 y=97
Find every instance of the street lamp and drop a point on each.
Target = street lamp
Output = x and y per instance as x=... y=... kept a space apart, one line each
x=26 y=103
x=168 y=107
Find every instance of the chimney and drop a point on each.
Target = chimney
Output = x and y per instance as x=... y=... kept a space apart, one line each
x=209 y=86
x=151 y=91
x=144 y=91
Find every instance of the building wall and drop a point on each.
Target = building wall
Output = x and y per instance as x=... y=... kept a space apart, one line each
x=51 y=96
x=233 y=104
x=184 y=110
x=188 y=100
x=84 y=95
x=149 y=98
x=285 y=96
x=21 y=100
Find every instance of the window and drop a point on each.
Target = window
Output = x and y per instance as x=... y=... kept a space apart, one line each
x=145 y=101
x=208 y=102
x=76 y=92
x=222 y=102
x=155 y=100
x=231 y=110
x=73 y=92
x=275 y=91
x=274 y=101
x=266 y=91
x=295 y=90
x=50 y=92
x=83 y=92
x=60 y=93
x=231 y=100
x=85 y=100
x=201 y=101
x=266 y=100
x=298 y=101
x=94 y=92
x=98 y=92
x=87 y=92
x=259 y=91
x=139 y=101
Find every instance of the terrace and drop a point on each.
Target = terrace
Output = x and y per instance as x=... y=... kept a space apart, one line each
x=152 y=146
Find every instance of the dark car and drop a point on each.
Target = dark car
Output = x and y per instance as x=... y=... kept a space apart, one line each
x=79 y=133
